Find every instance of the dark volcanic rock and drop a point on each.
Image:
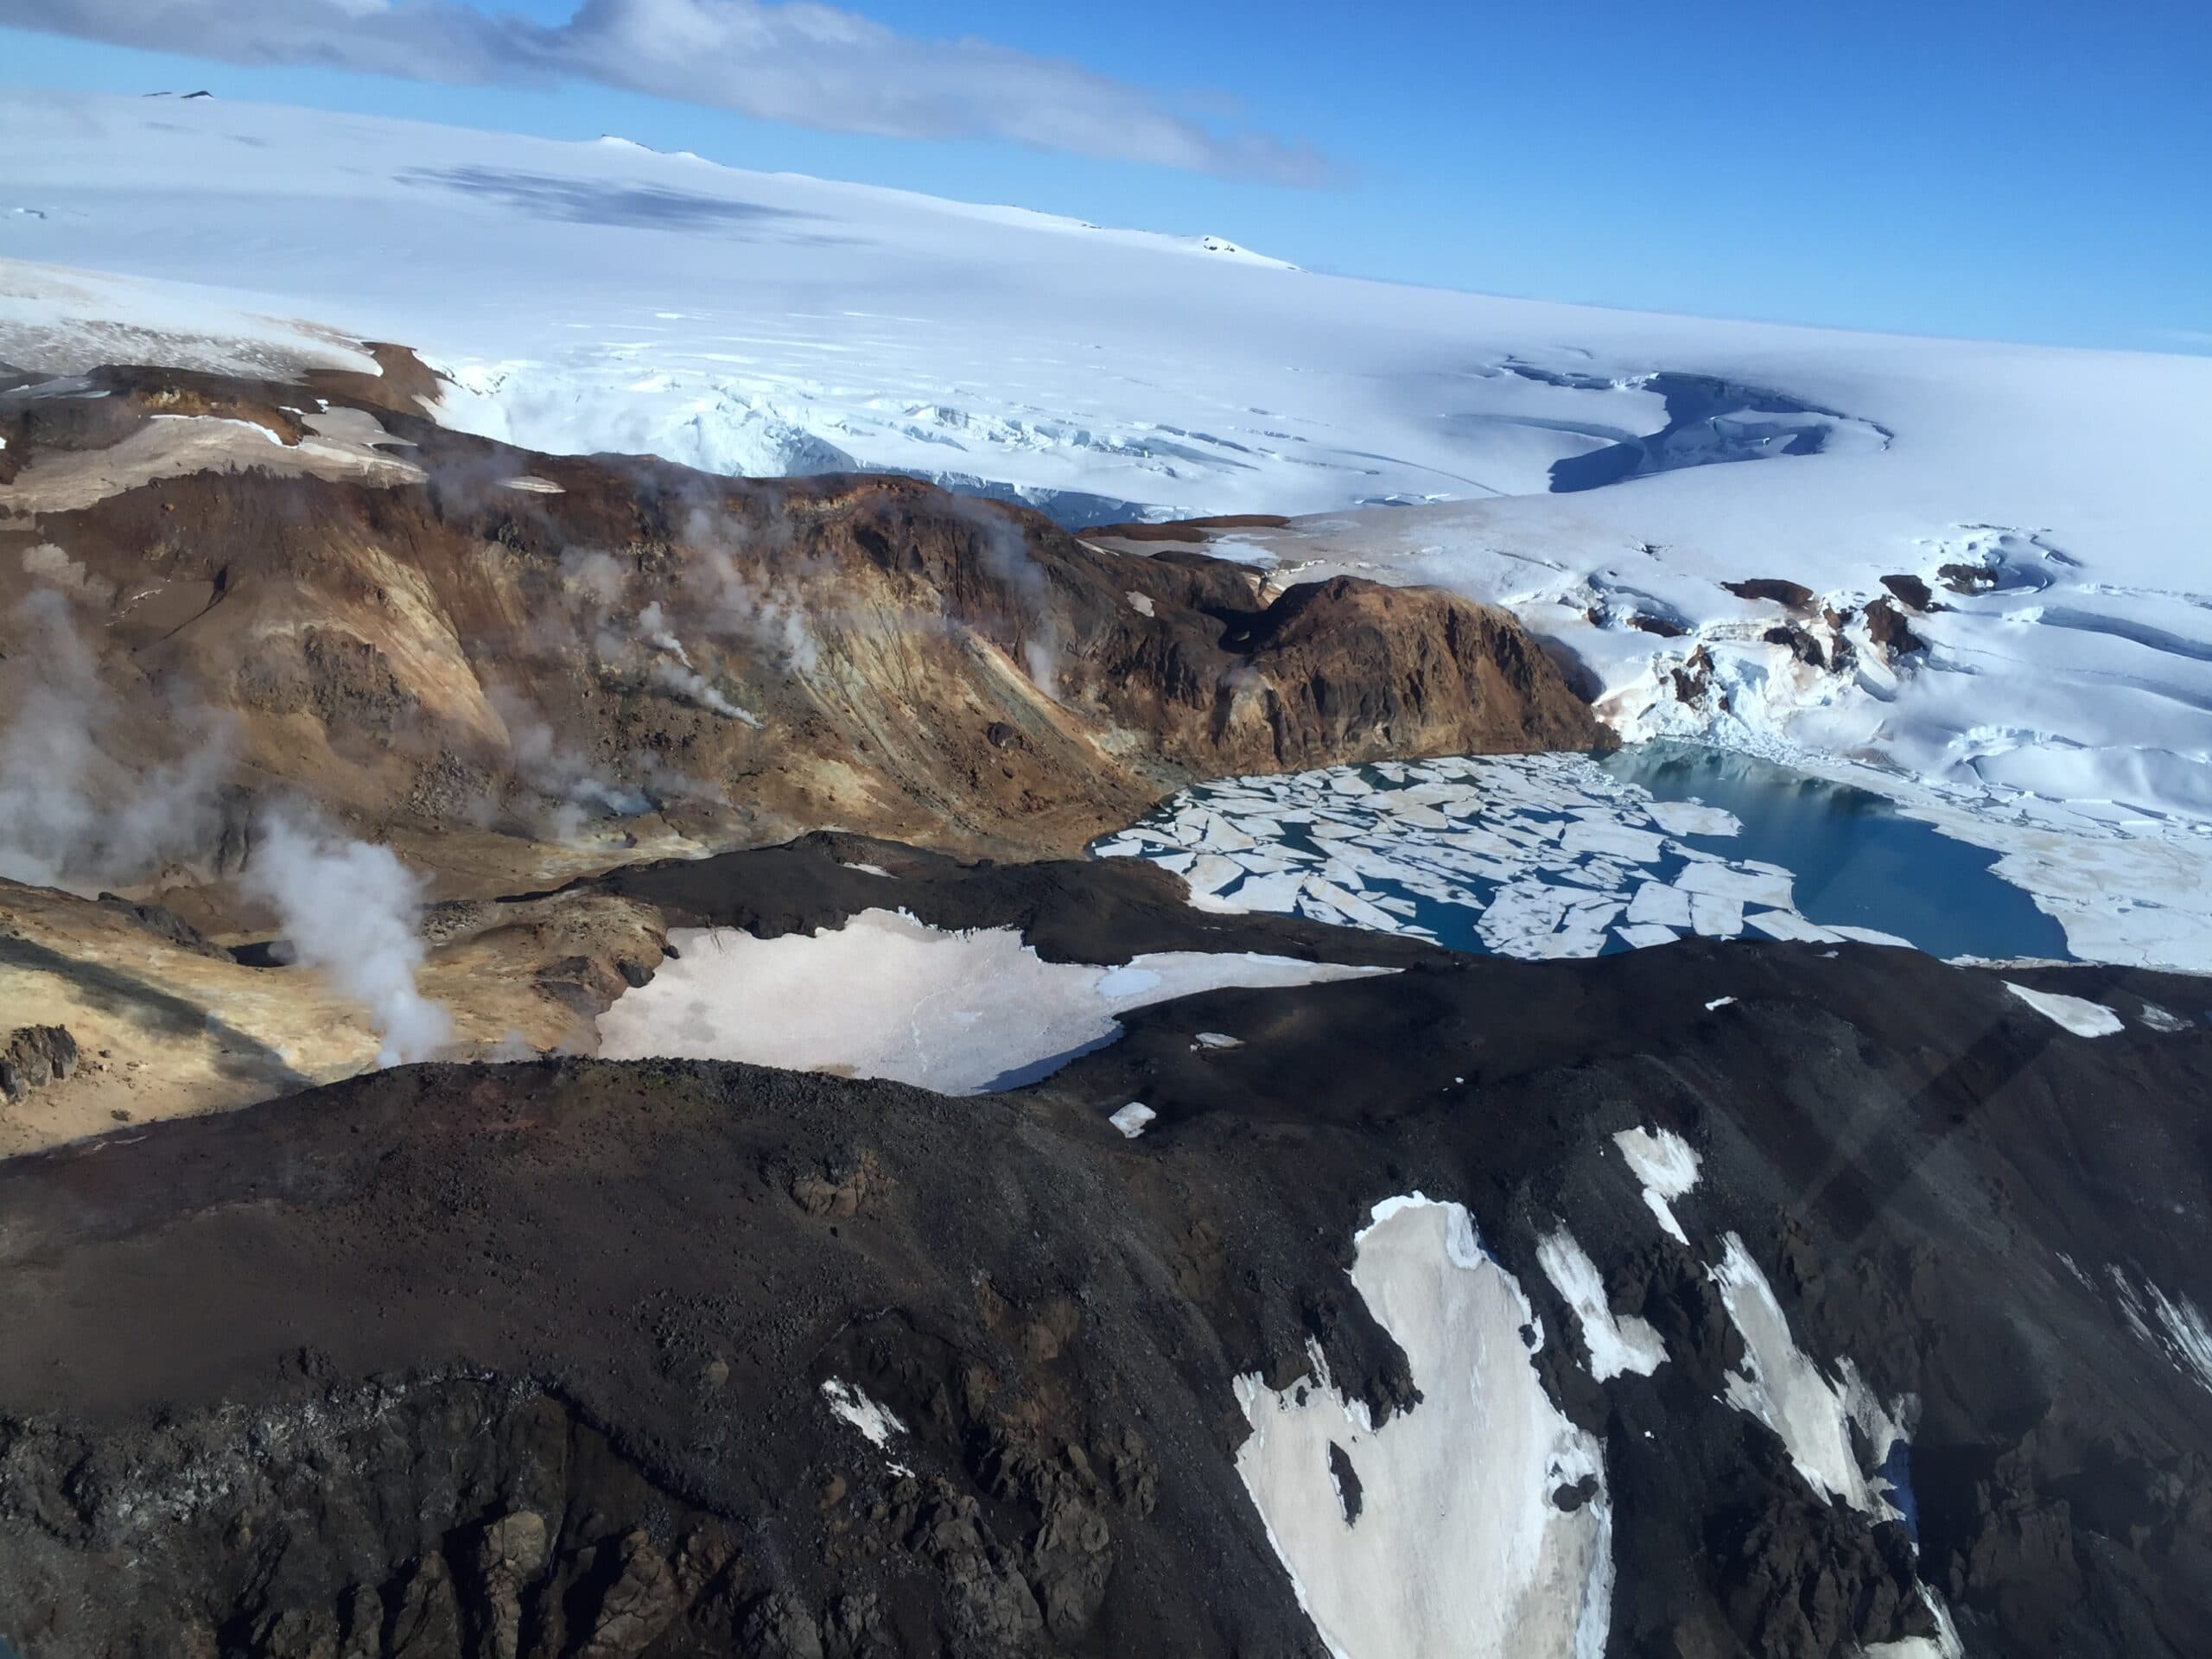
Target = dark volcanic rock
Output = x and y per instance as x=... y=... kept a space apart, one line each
x=1801 y=645
x=531 y=1359
x=1102 y=911
x=164 y=924
x=33 y=1057
x=1887 y=628
x=1912 y=593
x=1969 y=579
x=1793 y=596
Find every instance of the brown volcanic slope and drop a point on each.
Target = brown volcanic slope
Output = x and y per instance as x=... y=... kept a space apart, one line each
x=396 y=619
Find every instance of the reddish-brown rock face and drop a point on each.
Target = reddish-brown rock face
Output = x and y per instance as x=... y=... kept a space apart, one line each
x=427 y=632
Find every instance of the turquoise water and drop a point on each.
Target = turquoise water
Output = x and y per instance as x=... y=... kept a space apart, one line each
x=1859 y=862
x=1568 y=855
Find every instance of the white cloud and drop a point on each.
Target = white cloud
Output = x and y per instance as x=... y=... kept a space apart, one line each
x=815 y=66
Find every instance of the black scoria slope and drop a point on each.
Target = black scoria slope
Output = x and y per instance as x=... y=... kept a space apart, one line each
x=529 y=1360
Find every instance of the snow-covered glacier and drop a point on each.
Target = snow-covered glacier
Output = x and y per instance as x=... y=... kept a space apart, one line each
x=1977 y=576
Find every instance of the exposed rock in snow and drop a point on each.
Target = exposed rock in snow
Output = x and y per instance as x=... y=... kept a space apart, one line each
x=1459 y=1546
x=2078 y=1014
x=885 y=996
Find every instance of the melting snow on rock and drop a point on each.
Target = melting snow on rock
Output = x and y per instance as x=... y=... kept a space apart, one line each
x=1458 y=1546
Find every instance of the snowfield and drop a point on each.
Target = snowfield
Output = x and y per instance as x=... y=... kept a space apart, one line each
x=887 y=996
x=1436 y=1531
x=1608 y=474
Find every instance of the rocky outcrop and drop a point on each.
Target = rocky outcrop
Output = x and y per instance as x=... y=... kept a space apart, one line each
x=33 y=1057
x=1790 y=595
x=1889 y=632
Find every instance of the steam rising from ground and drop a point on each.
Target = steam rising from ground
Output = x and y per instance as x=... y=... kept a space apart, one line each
x=73 y=813
x=348 y=909
x=1006 y=556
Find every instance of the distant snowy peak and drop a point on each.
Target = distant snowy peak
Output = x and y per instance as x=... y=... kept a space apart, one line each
x=1002 y=213
x=1228 y=250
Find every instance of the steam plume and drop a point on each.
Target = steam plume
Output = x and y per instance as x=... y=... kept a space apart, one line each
x=348 y=909
x=71 y=813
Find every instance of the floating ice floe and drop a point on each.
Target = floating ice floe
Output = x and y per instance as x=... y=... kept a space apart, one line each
x=1463 y=1540
x=1666 y=1167
x=886 y=996
x=1545 y=855
x=2078 y=1014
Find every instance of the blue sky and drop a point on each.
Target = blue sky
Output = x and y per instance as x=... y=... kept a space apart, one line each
x=2036 y=171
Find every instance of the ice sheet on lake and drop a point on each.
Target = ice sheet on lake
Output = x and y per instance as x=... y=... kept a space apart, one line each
x=1538 y=856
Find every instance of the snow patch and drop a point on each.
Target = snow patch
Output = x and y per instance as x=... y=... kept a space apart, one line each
x=1666 y=1167
x=2078 y=1014
x=1461 y=1545
x=876 y=1423
x=1133 y=1119
x=1618 y=1346
x=886 y=996
x=2173 y=1324
x=1788 y=1392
